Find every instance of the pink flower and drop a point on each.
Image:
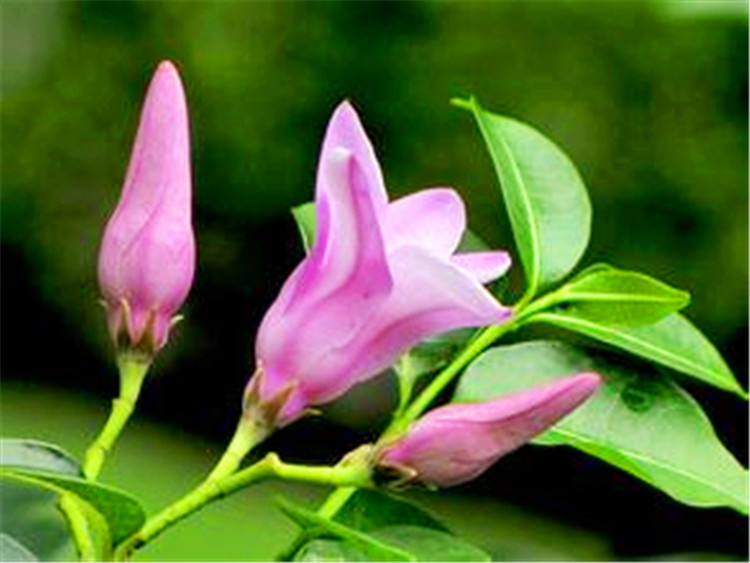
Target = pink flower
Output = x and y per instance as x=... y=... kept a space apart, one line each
x=379 y=278
x=456 y=443
x=147 y=256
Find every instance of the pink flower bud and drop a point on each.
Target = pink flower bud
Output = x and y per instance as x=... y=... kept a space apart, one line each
x=147 y=256
x=456 y=443
x=380 y=277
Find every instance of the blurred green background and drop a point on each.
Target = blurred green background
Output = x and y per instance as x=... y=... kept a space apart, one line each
x=648 y=98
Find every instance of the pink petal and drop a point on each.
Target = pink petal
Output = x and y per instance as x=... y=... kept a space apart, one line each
x=484 y=266
x=455 y=443
x=333 y=293
x=434 y=219
x=430 y=296
x=345 y=131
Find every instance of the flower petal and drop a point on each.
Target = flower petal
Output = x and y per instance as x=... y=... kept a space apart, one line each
x=345 y=131
x=434 y=219
x=484 y=266
x=430 y=296
x=333 y=293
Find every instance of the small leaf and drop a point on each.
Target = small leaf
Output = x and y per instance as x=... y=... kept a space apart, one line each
x=374 y=549
x=389 y=543
x=673 y=342
x=368 y=510
x=329 y=550
x=641 y=422
x=13 y=550
x=620 y=297
x=304 y=216
x=426 y=544
x=123 y=514
x=33 y=454
x=546 y=200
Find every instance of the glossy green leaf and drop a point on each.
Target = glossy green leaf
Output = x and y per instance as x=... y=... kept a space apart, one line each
x=123 y=514
x=427 y=544
x=369 y=509
x=641 y=422
x=619 y=297
x=13 y=550
x=33 y=454
x=304 y=217
x=30 y=515
x=372 y=548
x=418 y=544
x=329 y=550
x=99 y=544
x=546 y=200
x=389 y=543
x=673 y=342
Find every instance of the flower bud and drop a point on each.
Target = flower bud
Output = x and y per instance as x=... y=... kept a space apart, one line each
x=147 y=255
x=456 y=443
x=380 y=277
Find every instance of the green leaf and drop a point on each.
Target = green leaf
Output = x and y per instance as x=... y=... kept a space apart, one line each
x=92 y=525
x=619 y=297
x=673 y=342
x=13 y=550
x=123 y=514
x=368 y=510
x=30 y=515
x=641 y=422
x=33 y=454
x=389 y=543
x=374 y=549
x=329 y=550
x=546 y=200
x=426 y=544
x=304 y=216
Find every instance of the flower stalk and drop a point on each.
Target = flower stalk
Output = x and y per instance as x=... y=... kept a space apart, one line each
x=133 y=369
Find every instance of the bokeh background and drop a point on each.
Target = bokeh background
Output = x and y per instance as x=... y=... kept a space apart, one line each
x=649 y=98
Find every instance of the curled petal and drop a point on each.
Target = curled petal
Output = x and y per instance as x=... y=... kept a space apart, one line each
x=430 y=296
x=484 y=266
x=345 y=131
x=334 y=292
x=433 y=219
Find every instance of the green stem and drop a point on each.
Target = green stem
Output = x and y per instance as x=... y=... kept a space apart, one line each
x=78 y=528
x=336 y=501
x=405 y=378
x=215 y=488
x=133 y=369
x=471 y=351
x=332 y=505
x=436 y=386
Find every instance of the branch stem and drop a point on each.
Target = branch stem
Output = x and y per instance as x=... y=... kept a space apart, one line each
x=133 y=370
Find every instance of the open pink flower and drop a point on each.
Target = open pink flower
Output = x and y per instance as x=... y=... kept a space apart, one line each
x=379 y=278
x=147 y=256
x=456 y=443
